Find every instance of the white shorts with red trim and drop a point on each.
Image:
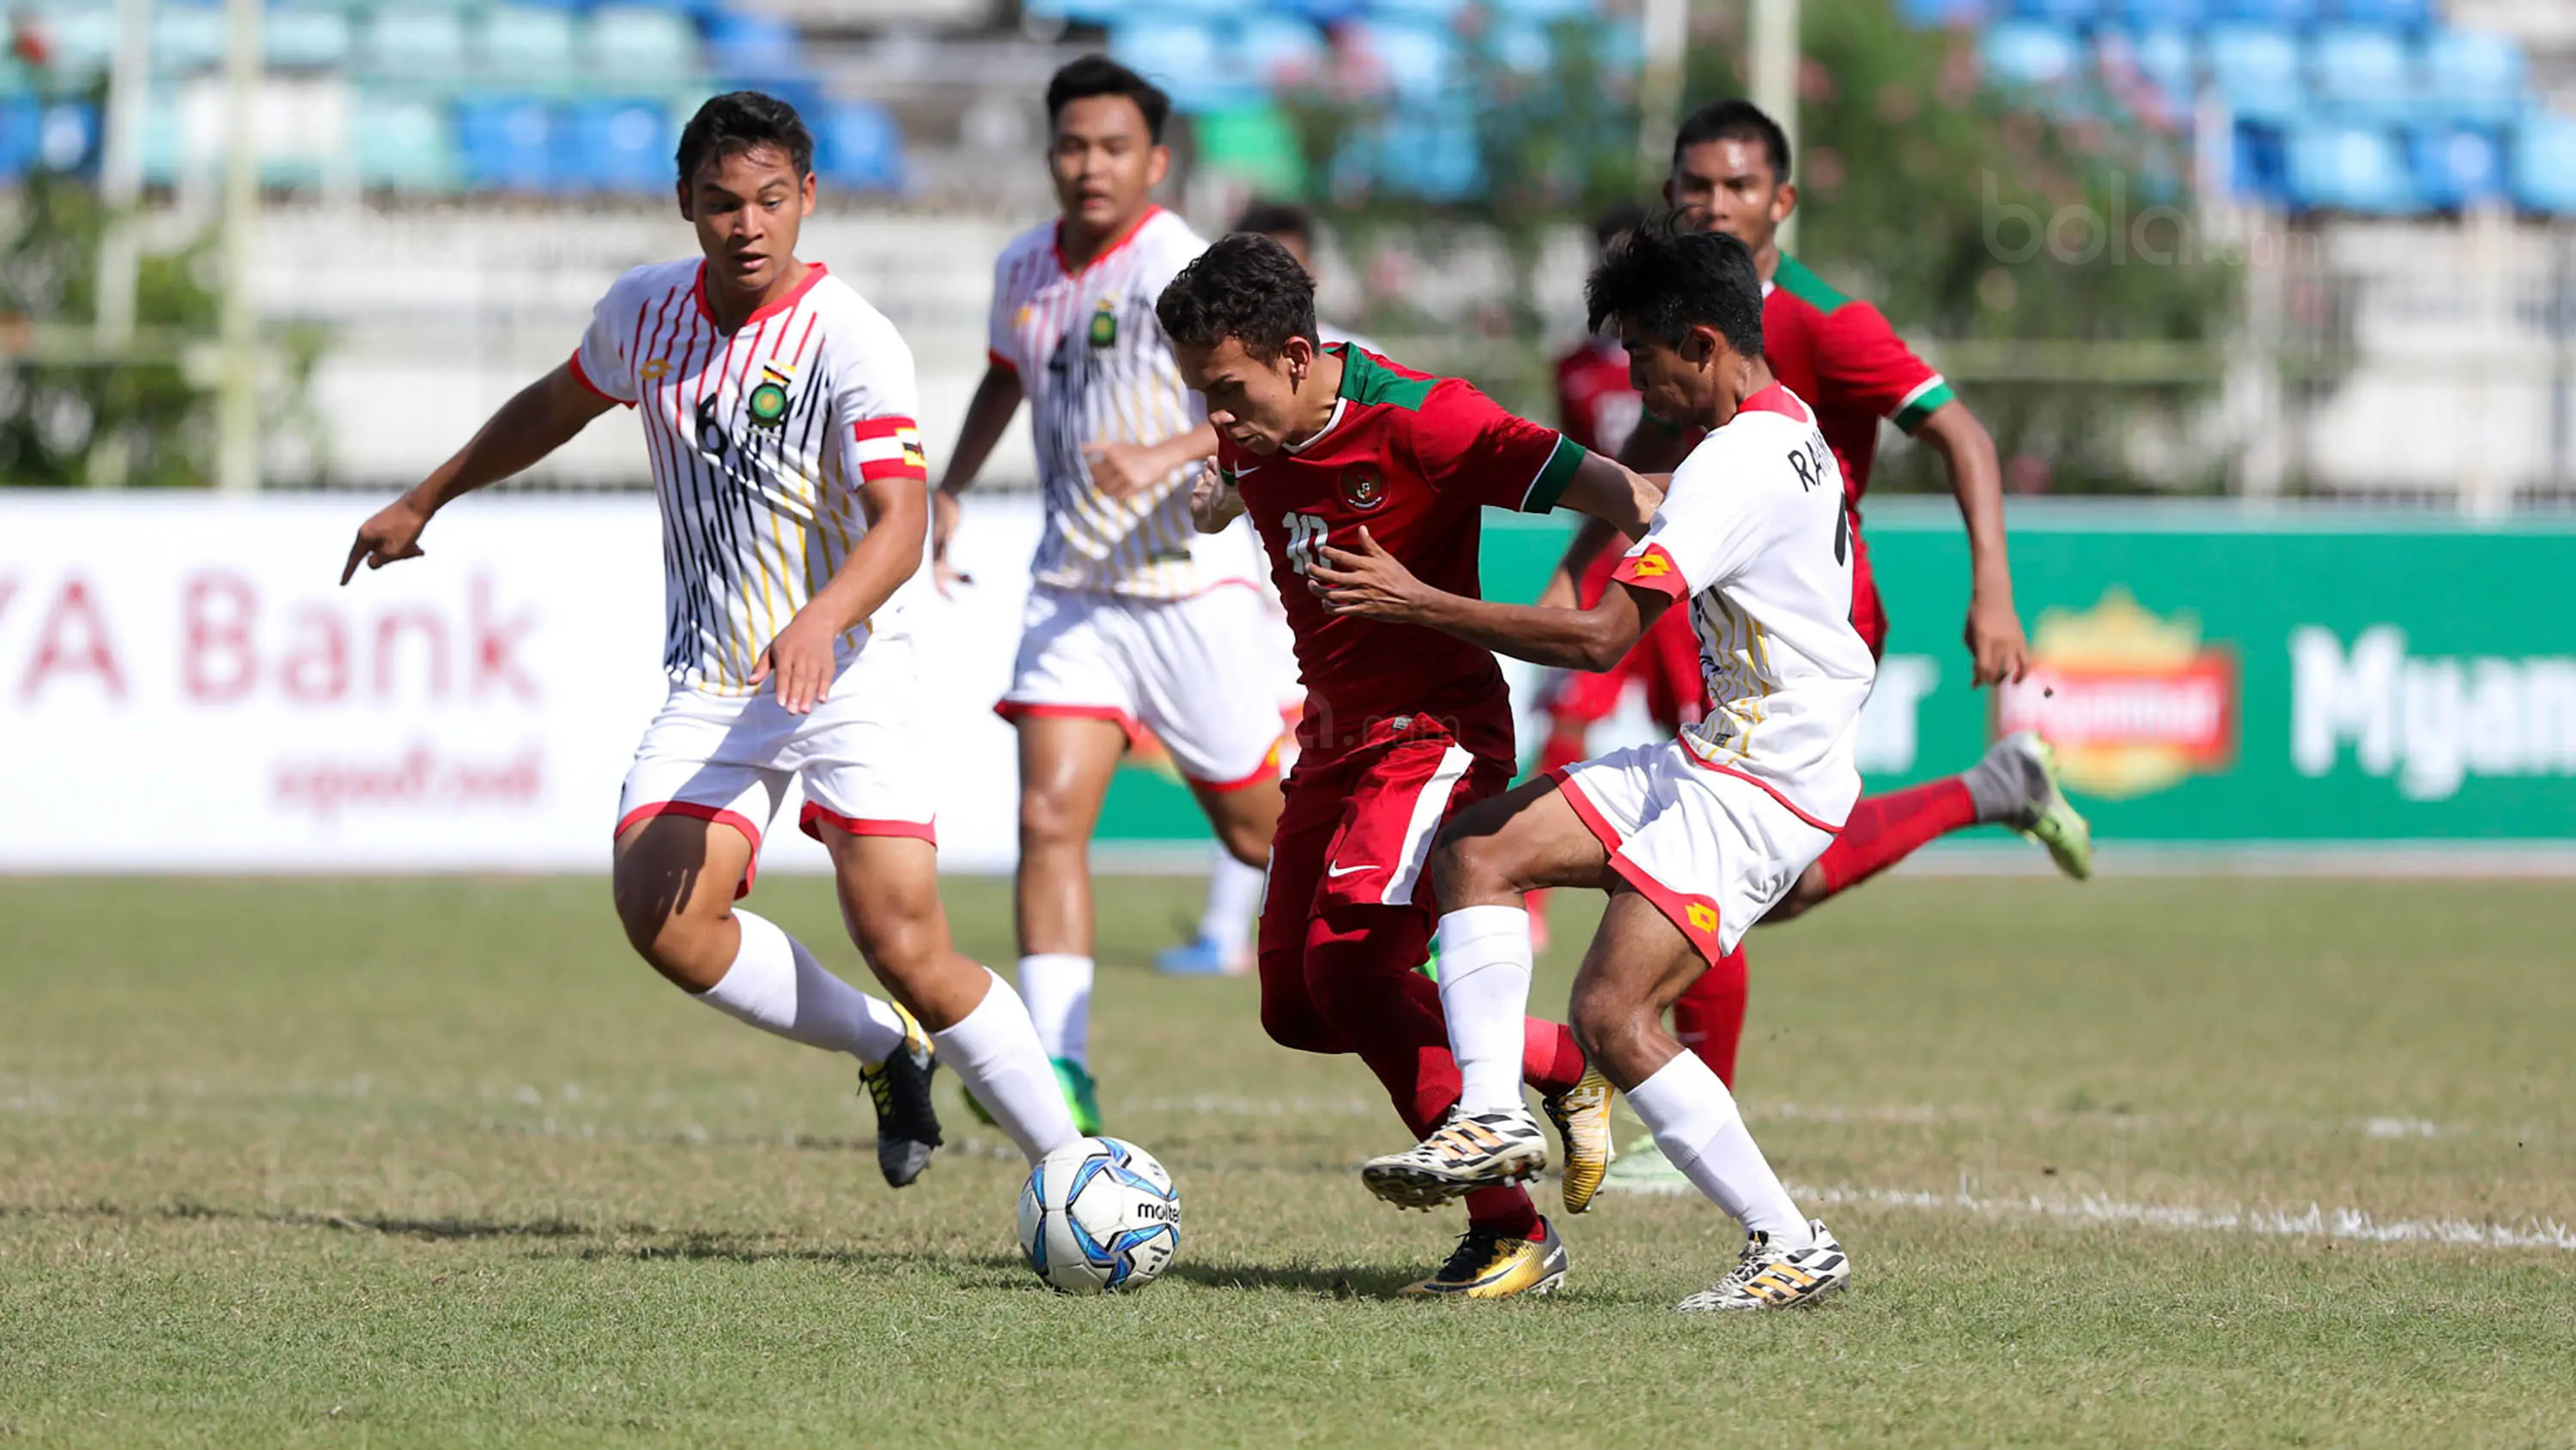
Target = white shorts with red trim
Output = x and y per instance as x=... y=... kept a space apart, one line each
x=1712 y=850
x=1203 y=673
x=729 y=758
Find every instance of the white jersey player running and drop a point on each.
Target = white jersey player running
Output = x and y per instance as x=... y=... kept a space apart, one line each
x=1694 y=838
x=1135 y=620
x=777 y=410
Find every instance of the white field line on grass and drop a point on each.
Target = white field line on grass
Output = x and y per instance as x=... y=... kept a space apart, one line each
x=2315 y=1221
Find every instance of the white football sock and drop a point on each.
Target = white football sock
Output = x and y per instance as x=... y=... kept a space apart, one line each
x=1696 y=1123
x=1484 y=992
x=776 y=985
x=1233 y=900
x=1058 y=988
x=994 y=1050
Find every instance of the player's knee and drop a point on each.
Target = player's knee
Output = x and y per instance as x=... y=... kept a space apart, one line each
x=1290 y=1019
x=1608 y=1024
x=1048 y=819
x=1467 y=868
x=1809 y=889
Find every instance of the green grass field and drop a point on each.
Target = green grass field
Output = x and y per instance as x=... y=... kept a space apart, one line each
x=438 y=1163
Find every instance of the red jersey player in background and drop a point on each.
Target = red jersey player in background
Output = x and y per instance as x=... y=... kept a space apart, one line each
x=1598 y=409
x=1731 y=169
x=1403 y=726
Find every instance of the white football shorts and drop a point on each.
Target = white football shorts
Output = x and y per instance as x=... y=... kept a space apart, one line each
x=728 y=758
x=1202 y=673
x=1711 y=849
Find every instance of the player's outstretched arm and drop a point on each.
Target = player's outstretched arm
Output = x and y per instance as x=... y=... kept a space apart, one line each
x=802 y=657
x=542 y=418
x=1119 y=469
x=996 y=398
x=1994 y=633
x=1371 y=582
x=1654 y=449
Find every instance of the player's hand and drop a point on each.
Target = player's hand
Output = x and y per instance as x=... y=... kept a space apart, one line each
x=800 y=659
x=1122 y=469
x=1212 y=504
x=392 y=535
x=943 y=526
x=1367 y=581
x=1995 y=641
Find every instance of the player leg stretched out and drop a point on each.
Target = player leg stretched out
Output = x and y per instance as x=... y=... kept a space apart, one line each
x=1695 y=837
x=1402 y=727
x=777 y=409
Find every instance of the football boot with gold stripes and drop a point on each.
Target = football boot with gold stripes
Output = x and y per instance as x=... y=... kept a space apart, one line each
x=1491 y=1264
x=899 y=1089
x=1770 y=1277
x=1462 y=1155
x=1581 y=1114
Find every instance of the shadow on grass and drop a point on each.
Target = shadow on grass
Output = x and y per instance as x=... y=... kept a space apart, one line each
x=1345 y=1282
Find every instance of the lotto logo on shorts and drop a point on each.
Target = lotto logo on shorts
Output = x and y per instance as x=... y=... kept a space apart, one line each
x=1703 y=917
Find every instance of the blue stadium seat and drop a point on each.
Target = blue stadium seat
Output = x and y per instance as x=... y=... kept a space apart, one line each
x=524 y=46
x=2473 y=76
x=2165 y=58
x=506 y=143
x=1184 y=57
x=2394 y=14
x=402 y=144
x=304 y=37
x=630 y=45
x=2260 y=162
x=2069 y=13
x=1077 y=12
x=1938 y=14
x=188 y=38
x=2544 y=164
x=2456 y=166
x=615 y=146
x=1271 y=48
x=2349 y=168
x=750 y=45
x=1429 y=153
x=22 y=135
x=858 y=146
x=2022 y=53
x=414 y=44
x=2362 y=74
x=1543 y=11
x=2287 y=14
x=2164 y=14
x=2256 y=71
x=1419 y=62
x=1418 y=12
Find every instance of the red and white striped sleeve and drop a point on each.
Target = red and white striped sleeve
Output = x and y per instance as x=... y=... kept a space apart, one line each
x=874 y=401
x=601 y=363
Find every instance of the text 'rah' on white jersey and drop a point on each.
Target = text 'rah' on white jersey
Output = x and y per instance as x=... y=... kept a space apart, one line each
x=1094 y=364
x=1754 y=536
x=759 y=440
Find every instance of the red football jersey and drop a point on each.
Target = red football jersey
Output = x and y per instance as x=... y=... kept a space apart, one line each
x=1415 y=458
x=1594 y=404
x=1842 y=357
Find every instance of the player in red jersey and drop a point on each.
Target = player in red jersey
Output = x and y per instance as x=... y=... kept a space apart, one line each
x=1731 y=169
x=1403 y=726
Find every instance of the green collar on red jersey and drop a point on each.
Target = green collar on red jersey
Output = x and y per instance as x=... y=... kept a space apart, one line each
x=1363 y=381
x=1793 y=277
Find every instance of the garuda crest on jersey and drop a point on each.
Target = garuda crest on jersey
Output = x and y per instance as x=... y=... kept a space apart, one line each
x=1362 y=489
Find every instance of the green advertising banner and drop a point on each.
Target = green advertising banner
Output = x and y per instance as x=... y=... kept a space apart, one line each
x=2209 y=675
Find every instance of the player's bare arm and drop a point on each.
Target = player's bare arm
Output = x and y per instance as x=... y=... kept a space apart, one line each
x=1655 y=449
x=543 y=417
x=1994 y=633
x=1213 y=503
x=1371 y=582
x=1120 y=469
x=889 y=553
x=989 y=412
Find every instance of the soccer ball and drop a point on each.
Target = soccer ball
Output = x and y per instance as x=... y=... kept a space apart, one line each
x=1099 y=1214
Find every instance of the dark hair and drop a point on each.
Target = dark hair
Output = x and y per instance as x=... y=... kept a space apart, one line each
x=740 y=121
x=1735 y=120
x=1245 y=287
x=1619 y=220
x=1274 y=218
x=1098 y=75
x=1666 y=281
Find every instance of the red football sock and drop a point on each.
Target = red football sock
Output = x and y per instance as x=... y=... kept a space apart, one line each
x=1886 y=829
x=1550 y=1060
x=1709 y=1015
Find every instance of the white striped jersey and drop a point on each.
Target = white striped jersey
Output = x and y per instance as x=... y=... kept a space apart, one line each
x=1096 y=368
x=759 y=439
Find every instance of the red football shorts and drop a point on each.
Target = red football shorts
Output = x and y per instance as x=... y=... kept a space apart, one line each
x=1359 y=824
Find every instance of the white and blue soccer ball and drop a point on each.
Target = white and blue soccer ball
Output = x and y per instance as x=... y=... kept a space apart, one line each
x=1099 y=1214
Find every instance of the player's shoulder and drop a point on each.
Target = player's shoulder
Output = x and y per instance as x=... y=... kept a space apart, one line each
x=1796 y=284
x=1020 y=256
x=638 y=287
x=1757 y=441
x=853 y=328
x=1370 y=380
x=1164 y=243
